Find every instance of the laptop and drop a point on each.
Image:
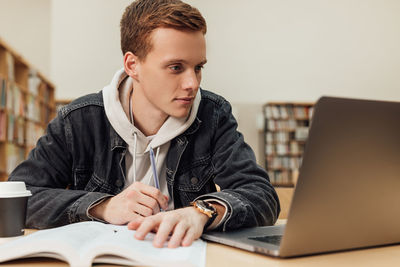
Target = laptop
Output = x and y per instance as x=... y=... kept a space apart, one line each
x=348 y=191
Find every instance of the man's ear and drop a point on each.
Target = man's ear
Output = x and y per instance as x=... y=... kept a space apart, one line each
x=131 y=65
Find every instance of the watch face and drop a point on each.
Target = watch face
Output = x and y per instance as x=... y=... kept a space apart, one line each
x=204 y=207
x=208 y=207
x=202 y=204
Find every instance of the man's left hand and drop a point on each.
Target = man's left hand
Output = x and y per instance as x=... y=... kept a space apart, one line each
x=185 y=225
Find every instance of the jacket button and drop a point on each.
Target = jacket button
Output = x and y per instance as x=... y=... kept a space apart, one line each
x=118 y=183
x=194 y=180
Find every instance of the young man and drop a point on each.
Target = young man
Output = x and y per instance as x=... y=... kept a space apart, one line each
x=150 y=141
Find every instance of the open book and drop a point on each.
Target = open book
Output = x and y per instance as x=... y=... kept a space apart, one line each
x=81 y=244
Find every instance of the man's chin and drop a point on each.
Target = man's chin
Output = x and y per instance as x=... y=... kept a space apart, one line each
x=181 y=113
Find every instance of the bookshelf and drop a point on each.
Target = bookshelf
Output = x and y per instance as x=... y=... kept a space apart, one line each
x=285 y=135
x=26 y=107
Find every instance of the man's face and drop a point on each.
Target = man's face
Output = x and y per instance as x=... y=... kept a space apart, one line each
x=170 y=74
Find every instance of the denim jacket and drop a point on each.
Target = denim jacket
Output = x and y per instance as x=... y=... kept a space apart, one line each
x=80 y=160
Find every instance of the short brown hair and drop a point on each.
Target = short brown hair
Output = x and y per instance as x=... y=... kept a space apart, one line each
x=143 y=16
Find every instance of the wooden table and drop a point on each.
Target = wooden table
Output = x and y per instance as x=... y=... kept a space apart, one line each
x=221 y=255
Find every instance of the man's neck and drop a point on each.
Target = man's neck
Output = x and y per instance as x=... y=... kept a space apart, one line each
x=146 y=118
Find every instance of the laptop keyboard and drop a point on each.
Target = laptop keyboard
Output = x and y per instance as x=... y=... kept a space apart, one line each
x=272 y=239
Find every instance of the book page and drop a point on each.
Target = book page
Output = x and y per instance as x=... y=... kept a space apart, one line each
x=81 y=243
x=122 y=243
x=63 y=243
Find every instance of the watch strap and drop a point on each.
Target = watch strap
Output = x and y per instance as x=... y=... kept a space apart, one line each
x=210 y=221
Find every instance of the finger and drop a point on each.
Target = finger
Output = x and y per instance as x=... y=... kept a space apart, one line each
x=135 y=223
x=177 y=236
x=167 y=225
x=140 y=209
x=190 y=236
x=131 y=216
x=150 y=203
x=148 y=224
x=142 y=203
x=155 y=193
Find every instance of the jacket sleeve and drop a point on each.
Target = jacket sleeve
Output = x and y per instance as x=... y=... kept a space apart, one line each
x=245 y=186
x=47 y=173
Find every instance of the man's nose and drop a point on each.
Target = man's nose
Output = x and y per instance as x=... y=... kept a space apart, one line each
x=191 y=81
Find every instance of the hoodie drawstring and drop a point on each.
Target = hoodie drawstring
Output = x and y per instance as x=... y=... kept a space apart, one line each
x=154 y=162
x=134 y=157
x=134 y=136
x=135 y=146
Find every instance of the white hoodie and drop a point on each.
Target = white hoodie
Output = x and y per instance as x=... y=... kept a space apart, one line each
x=116 y=97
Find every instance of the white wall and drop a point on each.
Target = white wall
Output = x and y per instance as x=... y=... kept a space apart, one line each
x=262 y=50
x=85 y=45
x=258 y=50
x=25 y=26
x=290 y=50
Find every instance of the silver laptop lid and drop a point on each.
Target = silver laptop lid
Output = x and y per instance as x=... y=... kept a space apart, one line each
x=348 y=191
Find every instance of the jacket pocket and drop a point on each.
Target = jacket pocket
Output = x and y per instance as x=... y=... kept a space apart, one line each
x=195 y=182
x=81 y=177
x=85 y=179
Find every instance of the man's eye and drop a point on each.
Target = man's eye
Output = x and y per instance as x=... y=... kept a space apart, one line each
x=198 y=68
x=176 y=68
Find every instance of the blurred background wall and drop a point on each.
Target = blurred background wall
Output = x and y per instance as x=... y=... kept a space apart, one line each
x=258 y=50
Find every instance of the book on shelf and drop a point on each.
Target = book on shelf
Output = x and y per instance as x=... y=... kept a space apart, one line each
x=301 y=133
x=15 y=155
x=285 y=162
x=26 y=97
x=35 y=132
x=82 y=244
x=288 y=110
x=10 y=65
x=20 y=128
x=10 y=99
x=10 y=127
x=3 y=125
x=33 y=108
x=3 y=93
x=286 y=132
x=33 y=83
x=19 y=101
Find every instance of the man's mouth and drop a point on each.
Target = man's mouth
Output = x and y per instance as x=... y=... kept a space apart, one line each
x=185 y=100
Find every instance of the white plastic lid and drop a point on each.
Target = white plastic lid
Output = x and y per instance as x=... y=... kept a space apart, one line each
x=13 y=189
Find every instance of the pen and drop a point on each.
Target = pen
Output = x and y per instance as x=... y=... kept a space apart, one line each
x=153 y=167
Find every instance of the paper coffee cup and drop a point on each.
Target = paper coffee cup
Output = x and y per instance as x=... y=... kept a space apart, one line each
x=13 y=200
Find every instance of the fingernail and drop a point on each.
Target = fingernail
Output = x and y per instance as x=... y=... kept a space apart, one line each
x=138 y=235
x=172 y=244
x=157 y=243
x=186 y=243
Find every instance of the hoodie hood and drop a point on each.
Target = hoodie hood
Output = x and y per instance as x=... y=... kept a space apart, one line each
x=116 y=97
x=116 y=104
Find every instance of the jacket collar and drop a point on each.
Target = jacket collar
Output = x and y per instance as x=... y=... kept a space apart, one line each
x=118 y=142
x=194 y=127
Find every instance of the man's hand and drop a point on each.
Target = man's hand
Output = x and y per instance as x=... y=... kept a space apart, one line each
x=136 y=201
x=186 y=225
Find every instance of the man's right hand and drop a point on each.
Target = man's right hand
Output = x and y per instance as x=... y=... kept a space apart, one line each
x=138 y=200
